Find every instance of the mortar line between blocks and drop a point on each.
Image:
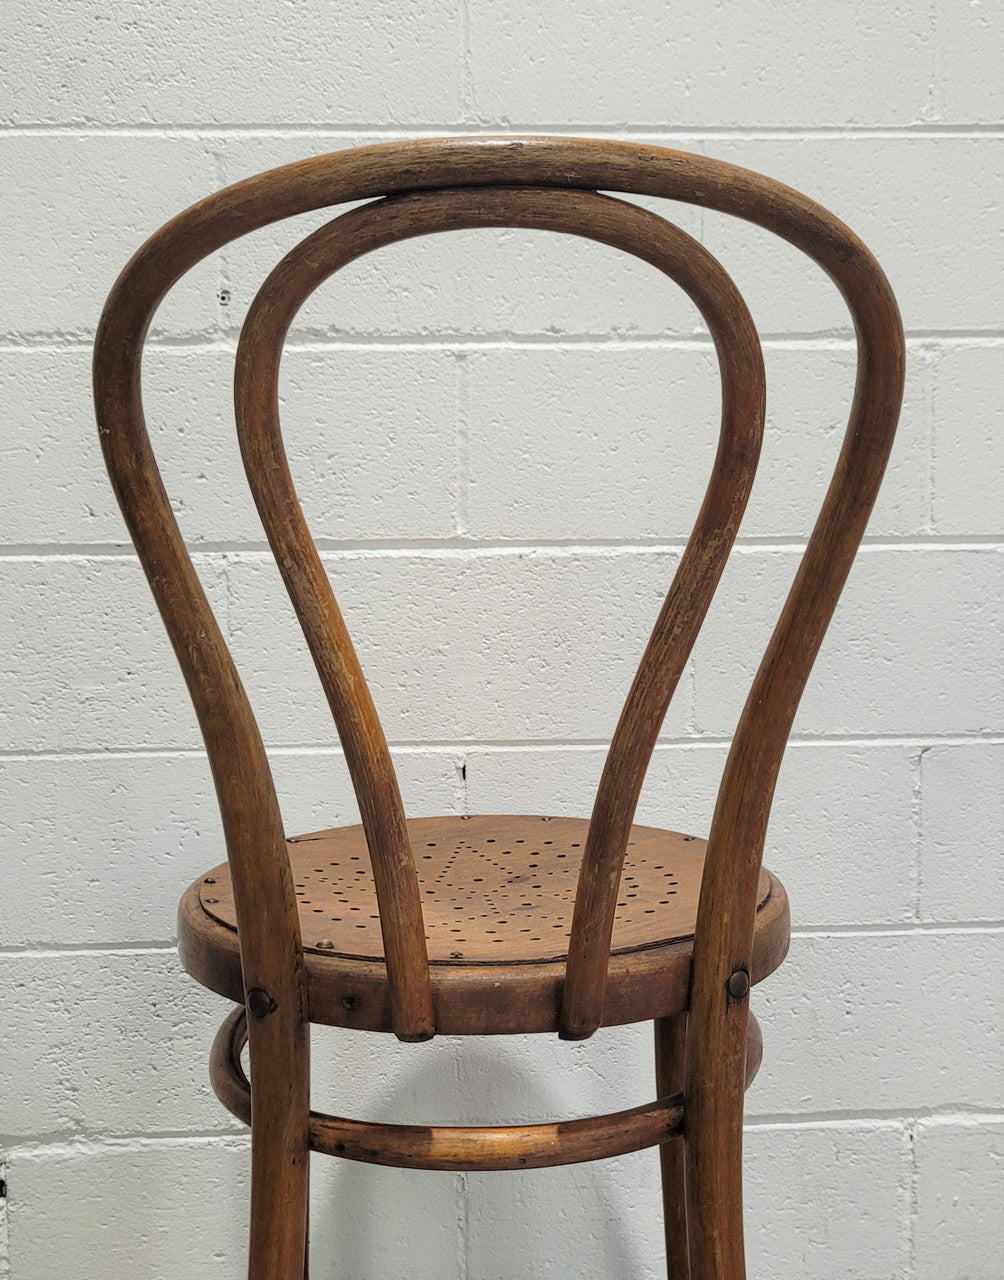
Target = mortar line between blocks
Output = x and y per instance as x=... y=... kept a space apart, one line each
x=316 y=341
x=217 y=149
x=419 y=746
x=463 y=791
x=853 y=1121
x=933 y=105
x=463 y=1207
x=816 y=933
x=458 y=547
x=463 y=443
x=224 y=624
x=893 y=929
x=690 y=725
x=929 y=357
x=5 y=1258
x=930 y=361
x=917 y=814
x=913 y=1200
x=867 y=1118
x=36 y=951
x=91 y=1144
x=468 y=97
x=359 y=132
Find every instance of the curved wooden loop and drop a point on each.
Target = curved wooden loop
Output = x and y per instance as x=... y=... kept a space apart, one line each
x=633 y=230
x=232 y=740
x=465 y=1148
x=454 y=1148
x=723 y=940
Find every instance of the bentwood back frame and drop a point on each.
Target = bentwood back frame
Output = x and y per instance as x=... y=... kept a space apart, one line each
x=694 y=984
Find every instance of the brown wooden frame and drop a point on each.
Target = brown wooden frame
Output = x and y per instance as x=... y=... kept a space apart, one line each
x=430 y=185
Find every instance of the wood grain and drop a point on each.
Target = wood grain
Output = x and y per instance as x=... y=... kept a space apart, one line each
x=420 y=187
x=476 y=999
x=633 y=230
x=452 y=1148
x=496 y=889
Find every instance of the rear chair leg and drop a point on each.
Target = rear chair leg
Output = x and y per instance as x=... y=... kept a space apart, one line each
x=716 y=1071
x=670 y=1063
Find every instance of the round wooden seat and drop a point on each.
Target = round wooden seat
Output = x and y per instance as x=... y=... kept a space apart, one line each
x=497 y=895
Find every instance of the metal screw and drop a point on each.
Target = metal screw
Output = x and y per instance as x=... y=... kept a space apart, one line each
x=738 y=985
x=325 y=944
x=209 y=880
x=259 y=1003
x=212 y=900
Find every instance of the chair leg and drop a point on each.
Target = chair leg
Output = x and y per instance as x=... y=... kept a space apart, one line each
x=714 y=1148
x=280 y=1155
x=277 y=1248
x=670 y=1051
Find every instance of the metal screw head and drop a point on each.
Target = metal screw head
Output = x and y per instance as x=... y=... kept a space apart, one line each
x=259 y=1003
x=325 y=944
x=738 y=984
x=209 y=880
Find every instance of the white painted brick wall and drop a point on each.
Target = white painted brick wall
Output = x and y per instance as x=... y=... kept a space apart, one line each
x=498 y=438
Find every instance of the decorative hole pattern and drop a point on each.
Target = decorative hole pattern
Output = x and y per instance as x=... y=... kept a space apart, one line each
x=495 y=889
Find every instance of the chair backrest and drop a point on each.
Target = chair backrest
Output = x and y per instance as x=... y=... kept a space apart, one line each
x=439 y=185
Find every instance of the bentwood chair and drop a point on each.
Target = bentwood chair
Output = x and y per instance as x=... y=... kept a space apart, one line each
x=494 y=924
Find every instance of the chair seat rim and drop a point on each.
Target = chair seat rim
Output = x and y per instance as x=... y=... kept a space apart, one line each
x=477 y=999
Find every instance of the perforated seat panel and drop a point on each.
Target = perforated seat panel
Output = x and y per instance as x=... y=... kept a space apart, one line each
x=495 y=889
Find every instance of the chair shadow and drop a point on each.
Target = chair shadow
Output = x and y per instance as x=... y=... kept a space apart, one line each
x=586 y=1220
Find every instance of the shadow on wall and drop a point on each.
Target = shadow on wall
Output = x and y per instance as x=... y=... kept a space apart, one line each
x=374 y=1220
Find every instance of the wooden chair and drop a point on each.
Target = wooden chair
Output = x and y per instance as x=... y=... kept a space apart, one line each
x=488 y=924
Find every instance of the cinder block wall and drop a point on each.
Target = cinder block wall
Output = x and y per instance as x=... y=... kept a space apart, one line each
x=499 y=439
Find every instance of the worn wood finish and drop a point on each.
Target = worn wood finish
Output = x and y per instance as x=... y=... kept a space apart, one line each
x=472 y=998
x=633 y=230
x=735 y=846
x=495 y=889
x=670 y=1075
x=451 y=1148
x=709 y=977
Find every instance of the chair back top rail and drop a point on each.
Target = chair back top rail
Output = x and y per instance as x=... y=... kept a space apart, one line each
x=264 y=893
